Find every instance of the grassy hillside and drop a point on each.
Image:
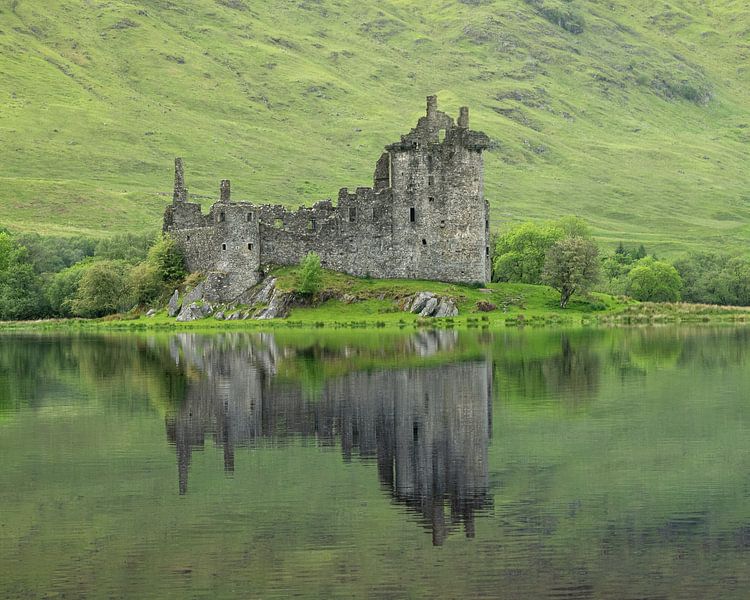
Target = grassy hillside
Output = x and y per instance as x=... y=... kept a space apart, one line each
x=634 y=114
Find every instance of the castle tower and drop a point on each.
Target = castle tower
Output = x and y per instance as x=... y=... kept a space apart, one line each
x=441 y=219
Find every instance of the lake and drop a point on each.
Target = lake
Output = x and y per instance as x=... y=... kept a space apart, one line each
x=453 y=464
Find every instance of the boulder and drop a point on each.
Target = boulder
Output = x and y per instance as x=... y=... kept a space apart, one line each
x=173 y=307
x=191 y=312
x=151 y=313
x=428 y=304
x=420 y=300
x=430 y=307
x=219 y=316
x=446 y=308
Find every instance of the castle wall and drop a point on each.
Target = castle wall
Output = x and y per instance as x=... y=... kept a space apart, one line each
x=425 y=218
x=353 y=237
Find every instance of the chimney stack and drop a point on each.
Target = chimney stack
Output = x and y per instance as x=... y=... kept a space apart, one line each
x=431 y=108
x=180 y=192
x=463 y=117
x=224 y=191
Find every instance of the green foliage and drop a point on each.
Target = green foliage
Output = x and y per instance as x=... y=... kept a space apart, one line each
x=310 y=274
x=21 y=294
x=167 y=259
x=571 y=265
x=715 y=278
x=519 y=254
x=51 y=254
x=62 y=287
x=129 y=247
x=654 y=281
x=145 y=283
x=102 y=289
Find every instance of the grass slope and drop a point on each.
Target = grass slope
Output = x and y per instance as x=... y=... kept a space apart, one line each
x=633 y=114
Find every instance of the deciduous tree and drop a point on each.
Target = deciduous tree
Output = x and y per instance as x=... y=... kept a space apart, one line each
x=571 y=265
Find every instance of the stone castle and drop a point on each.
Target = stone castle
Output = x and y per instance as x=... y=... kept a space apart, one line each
x=424 y=218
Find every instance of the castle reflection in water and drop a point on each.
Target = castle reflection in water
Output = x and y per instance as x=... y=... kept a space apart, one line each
x=426 y=427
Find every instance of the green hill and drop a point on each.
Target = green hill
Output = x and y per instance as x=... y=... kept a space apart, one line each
x=633 y=114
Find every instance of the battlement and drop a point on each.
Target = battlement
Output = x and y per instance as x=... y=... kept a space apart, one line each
x=437 y=127
x=425 y=216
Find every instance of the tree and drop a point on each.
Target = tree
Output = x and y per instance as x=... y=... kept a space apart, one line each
x=654 y=281
x=130 y=247
x=102 y=289
x=167 y=258
x=310 y=275
x=700 y=273
x=61 y=289
x=733 y=282
x=144 y=283
x=520 y=252
x=21 y=295
x=571 y=265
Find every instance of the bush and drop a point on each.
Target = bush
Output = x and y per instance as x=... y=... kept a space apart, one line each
x=654 y=281
x=144 y=283
x=311 y=274
x=167 y=259
x=102 y=289
x=21 y=295
x=61 y=289
x=129 y=247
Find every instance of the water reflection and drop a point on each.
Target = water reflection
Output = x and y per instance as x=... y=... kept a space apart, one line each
x=618 y=466
x=427 y=428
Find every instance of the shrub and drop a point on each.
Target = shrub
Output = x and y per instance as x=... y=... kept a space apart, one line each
x=167 y=259
x=102 y=289
x=21 y=295
x=654 y=281
x=310 y=278
x=144 y=283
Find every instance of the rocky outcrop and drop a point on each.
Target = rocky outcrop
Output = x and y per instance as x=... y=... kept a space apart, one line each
x=278 y=307
x=173 y=307
x=446 y=308
x=428 y=304
x=194 y=311
x=265 y=293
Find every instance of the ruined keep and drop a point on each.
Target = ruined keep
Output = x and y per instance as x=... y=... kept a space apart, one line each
x=424 y=218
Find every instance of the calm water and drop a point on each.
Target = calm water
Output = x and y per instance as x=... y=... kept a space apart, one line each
x=513 y=464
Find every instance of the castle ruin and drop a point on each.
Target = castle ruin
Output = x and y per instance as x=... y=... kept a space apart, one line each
x=424 y=218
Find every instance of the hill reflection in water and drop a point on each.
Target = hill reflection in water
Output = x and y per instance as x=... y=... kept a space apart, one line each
x=428 y=428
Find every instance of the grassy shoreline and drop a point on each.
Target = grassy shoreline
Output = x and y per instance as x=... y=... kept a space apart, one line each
x=374 y=303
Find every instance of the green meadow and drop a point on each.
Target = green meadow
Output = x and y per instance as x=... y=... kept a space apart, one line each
x=634 y=115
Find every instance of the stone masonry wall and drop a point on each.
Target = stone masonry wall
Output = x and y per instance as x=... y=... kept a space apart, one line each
x=424 y=218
